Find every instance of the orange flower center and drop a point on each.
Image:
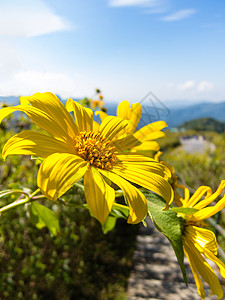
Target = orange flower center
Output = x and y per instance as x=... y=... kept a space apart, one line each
x=94 y=148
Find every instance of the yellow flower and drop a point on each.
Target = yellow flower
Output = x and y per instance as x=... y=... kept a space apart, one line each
x=73 y=150
x=146 y=134
x=97 y=103
x=199 y=243
x=173 y=180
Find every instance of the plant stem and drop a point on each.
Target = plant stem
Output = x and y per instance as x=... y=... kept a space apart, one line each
x=19 y=202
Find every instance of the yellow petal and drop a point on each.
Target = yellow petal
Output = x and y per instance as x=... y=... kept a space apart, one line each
x=123 y=110
x=112 y=126
x=30 y=142
x=202 y=238
x=198 y=194
x=41 y=119
x=147 y=178
x=138 y=161
x=202 y=267
x=101 y=114
x=5 y=111
x=133 y=114
x=136 y=200
x=58 y=173
x=191 y=259
x=84 y=116
x=209 y=198
x=99 y=195
x=125 y=143
x=52 y=106
x=216 y=260
x=151 y=131
x=95 y=126
x=24 y=101
x=146 y=147
x=207 y=212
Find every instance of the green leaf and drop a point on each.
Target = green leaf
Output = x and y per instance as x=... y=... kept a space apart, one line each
x=184 y=210
x=42 y=216
x=169 y=224
x=118 y=211
x=109 y=224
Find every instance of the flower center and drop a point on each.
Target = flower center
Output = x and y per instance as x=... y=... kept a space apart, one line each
x=94 y=148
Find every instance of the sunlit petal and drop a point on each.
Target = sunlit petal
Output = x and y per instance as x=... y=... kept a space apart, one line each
x=99 y=195
x=209 y=198
x=95 y=126
x=147 y=179
x=203 y=268
x=146 y=147
x=112 y=126
x=216 y=260
x=84 y=116
x=133 y=114
x=123 y=110
x=136 y=200
x=30 y=142
x=58 y=173
x=207 y=212
x=150 y=131
x=191 y=258
x=101 y=114
x=198 y=194
x=202 y=238
x=40 y=118
x=125 y=143
x=51 y=105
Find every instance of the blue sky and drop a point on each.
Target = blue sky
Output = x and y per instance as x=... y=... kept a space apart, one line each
x=175 y=49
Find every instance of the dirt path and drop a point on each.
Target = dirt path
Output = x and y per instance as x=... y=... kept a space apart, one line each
x=156 y=273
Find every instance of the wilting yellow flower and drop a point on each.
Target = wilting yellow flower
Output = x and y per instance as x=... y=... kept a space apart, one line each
x=73 y=150
x=173 y=180
x=199 y=243
x=133 y=115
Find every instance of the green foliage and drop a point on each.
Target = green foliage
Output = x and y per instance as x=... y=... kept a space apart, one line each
x=197 y=169
x=184 y=210
x=204 y=124
x=118 y=211
x=169 y=224
x=80 y=262
x=42 y=217
x=171 y=140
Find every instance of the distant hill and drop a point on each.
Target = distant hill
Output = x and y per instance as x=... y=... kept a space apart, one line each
x=158 y=111
x=204 y=124
x=211 y=110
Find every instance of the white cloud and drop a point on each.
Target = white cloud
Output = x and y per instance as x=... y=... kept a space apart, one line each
x=26 y=83
x=149 y=3
x=179 y=15
x=191 y=87
x=29 y=18
x=30 y=82
x=205 y=86
x=9 y=61
x=189 y=84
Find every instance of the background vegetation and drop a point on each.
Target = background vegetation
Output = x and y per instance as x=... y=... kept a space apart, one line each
x=79 y=263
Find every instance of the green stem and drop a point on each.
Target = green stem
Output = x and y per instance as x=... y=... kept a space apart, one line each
x=117 y=205
x=20 y=202
x=79 y=185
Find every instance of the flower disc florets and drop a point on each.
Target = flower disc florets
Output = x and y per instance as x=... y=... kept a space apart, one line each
x=95 y=149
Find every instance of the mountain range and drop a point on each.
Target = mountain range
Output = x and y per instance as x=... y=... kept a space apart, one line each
x=173 y=116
